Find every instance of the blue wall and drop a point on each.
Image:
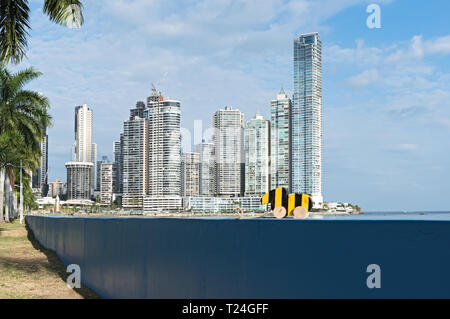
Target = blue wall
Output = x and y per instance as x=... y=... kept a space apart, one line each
x=253 y=258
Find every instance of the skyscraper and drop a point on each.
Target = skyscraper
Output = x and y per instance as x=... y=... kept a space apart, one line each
x=40 y=179
x=135 y=162
x=164 y=159
x=107 y=182
x=83 y=134
x=96 y=180
x=98 y=168
x=164 y=136
x=190 y=166
x=118 y=159
x=279 y=148
x=79 y=180
x=85 y=150
x=257 y=150
x=206 y=168
x=306 y=117
x=228 y=136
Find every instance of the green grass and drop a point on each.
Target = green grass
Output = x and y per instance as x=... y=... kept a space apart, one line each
x=28 y=270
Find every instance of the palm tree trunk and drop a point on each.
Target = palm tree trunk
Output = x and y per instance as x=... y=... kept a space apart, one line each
x=7 y=200
x=2 y=192
x=14 y=202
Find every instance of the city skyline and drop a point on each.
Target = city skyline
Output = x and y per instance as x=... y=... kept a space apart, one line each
x=398 y=161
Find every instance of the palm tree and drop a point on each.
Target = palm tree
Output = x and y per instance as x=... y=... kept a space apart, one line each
x=15 y=24
x=23 y=114
x=23 y=117
x=22 y=111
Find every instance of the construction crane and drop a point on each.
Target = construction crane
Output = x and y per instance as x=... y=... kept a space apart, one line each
x=155 y=91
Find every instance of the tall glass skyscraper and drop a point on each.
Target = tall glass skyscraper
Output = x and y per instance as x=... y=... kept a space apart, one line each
x=118 y=159
x=40 y=179
x=306 y=117
x=257 y=150
x=279 y=150
x=135 y=150
x=207 y=179
x=164 y=135
x=83 y=134
x=228 y=139
x=190 y=167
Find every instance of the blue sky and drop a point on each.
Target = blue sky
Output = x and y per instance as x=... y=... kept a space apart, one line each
x=386 y=92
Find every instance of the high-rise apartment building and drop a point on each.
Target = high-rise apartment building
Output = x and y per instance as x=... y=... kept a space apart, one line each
x=98 y=168
x=40 y=178
x=118 y=159
x=206 y=168
x=257 y=151
x=306 y=117
x=85 y=150
x=96 y=181
x=135 y=162
x=79 y=180
x=164 y=140
x=228 y=139
x=279 y=139
x=107 y=182
x=190 y=170
x=83 y=134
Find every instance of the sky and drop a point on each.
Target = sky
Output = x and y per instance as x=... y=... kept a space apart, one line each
x=386 y=91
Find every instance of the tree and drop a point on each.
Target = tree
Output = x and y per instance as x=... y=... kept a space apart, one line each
x=23 y=117
x=15 y=24
x=24 y=114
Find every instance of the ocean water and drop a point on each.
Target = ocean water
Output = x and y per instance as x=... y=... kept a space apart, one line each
x=419 y=215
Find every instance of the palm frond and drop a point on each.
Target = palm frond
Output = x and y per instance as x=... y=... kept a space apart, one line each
x=65 y=12
x=24 y=116
x=23 y=77
x=14 y=26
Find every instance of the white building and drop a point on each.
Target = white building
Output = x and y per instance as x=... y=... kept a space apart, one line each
x=279 y=147
x=96 y=170
x=164 y=136
x=45 y=201
x=118 y=159
x=205 y=204
x=228 y=139
x=107 y=182
x=257 y=150
x=57 y=188
x=79 y=180
x=40 y=177
x=85 y=149
x=83 y=134
x=135 y=162
x=206 y=168
x=162 y=203
x=306 y=118
x=190 y=168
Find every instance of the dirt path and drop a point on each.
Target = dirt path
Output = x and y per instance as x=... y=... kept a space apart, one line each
x=29 y=271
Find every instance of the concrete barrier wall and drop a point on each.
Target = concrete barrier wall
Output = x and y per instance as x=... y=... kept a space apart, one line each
x=255 y=258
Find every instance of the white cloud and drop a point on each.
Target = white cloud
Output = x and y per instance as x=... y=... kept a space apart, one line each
x=406 y=147
x=365 y=78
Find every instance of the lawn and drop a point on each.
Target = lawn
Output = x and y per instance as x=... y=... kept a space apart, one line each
x=27 y=270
